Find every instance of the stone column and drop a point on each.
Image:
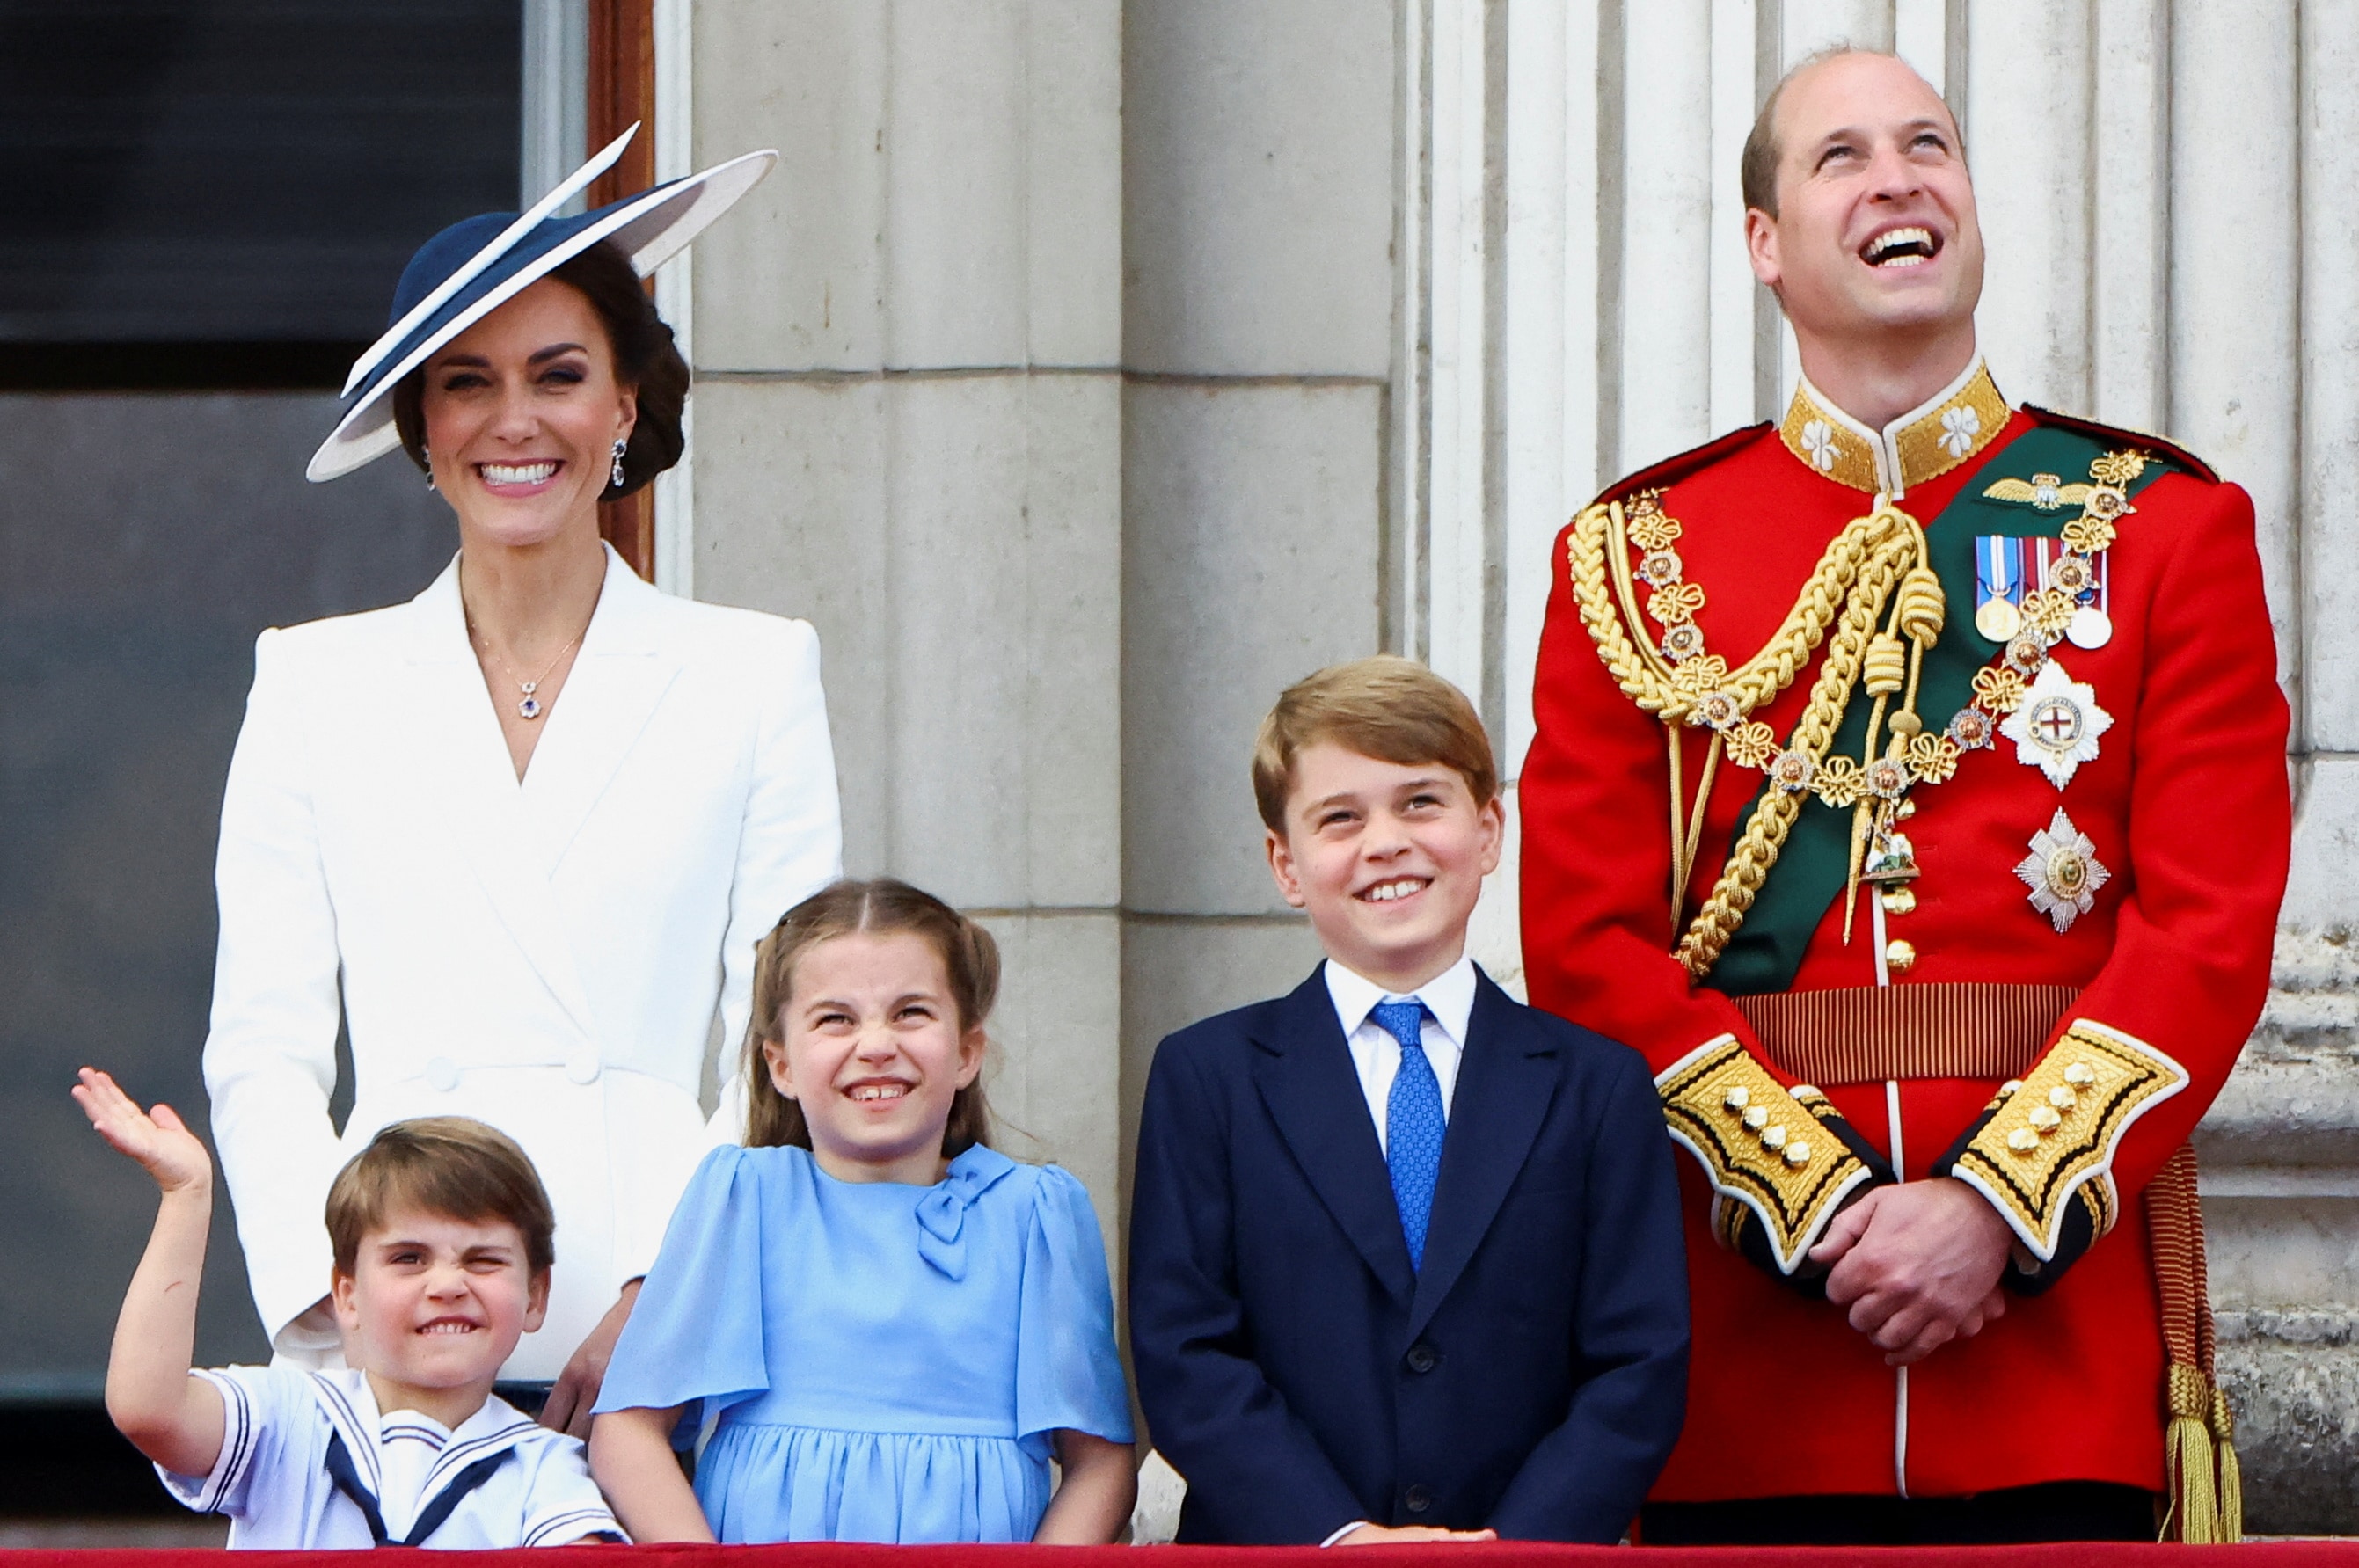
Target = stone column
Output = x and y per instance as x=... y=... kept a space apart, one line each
x=908 y=431
x=1258 y=166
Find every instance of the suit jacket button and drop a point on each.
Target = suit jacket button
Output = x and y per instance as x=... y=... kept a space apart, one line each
x=442 y=1074
x=1422 y=1358
x=582 y=1069
x=1418 y=1498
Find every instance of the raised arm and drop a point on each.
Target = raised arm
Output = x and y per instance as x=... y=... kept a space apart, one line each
x=174 y=1419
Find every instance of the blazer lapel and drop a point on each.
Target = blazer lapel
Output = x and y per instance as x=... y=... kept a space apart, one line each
x=1306 y=1078
x=603 y=708
x=455 y=744
x=1507 y=1078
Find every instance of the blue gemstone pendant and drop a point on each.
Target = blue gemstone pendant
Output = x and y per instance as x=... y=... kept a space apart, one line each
x=530 y=706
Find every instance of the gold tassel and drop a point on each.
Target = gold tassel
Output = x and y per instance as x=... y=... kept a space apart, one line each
x=2231 y=1475
x=2188 y=1462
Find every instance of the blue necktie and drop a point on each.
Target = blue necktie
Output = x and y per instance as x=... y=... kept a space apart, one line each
x=1413 y=1123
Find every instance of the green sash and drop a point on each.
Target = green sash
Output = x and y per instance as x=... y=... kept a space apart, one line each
x=1811 y=867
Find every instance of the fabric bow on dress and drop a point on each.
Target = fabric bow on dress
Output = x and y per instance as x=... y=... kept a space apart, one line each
x=942 y=1213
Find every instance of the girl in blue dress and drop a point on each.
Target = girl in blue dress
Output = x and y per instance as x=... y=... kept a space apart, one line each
x=897 y=1326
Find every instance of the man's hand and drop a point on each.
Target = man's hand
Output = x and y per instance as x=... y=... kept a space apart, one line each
x=1411 y=1535
x=1917 y=1264
x=575 y=1392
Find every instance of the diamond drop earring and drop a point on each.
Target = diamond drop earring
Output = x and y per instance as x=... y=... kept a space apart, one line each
x=614 y=474
x=428 y=458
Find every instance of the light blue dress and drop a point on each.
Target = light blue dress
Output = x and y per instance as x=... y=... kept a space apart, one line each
x=888 y=1361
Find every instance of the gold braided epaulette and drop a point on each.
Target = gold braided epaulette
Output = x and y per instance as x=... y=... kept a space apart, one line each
x=1762 y=1144
x=2052 y=1134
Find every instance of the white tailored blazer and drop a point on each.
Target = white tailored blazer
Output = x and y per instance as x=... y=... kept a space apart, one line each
x=547 y=955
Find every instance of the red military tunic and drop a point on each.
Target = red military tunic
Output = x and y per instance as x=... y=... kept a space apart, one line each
x=2185 y=806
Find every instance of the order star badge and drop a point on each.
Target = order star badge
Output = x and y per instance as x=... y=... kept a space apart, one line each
x=2063 y=872
x=2056 y=728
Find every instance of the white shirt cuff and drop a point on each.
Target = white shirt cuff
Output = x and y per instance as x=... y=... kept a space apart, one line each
x=1343 y=1533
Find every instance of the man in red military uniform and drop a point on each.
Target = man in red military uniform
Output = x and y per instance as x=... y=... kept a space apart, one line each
x=1909 y=786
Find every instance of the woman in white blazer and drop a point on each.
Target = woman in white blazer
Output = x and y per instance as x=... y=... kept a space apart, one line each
x=520 y=834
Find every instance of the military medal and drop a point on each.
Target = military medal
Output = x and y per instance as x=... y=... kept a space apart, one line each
x=2086 y=580
x=2091 y=626
x=1998 y=587
x=2063 y=872
x=2056 y=728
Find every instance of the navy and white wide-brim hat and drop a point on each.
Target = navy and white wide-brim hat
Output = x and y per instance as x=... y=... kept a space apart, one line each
x=473 y=267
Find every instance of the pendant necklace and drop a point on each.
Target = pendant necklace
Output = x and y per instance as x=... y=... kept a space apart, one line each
x=530 y=707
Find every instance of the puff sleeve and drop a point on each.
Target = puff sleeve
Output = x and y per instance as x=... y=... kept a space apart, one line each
x=1068 y=1375
x=696 y=1332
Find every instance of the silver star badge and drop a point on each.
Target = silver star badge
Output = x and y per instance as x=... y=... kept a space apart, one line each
x=2063 y=872
x=2056 y=728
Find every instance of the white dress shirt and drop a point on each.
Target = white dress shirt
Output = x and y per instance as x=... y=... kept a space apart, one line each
x=1449 y=999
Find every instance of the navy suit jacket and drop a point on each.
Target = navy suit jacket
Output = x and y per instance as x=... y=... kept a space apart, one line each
x=1531 y=1378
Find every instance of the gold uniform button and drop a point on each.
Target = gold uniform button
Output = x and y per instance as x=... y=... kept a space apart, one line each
x=2044 y=1118
x=1736 y=1098
x=2012 y=1087
x=2080 y=1074
x=2023 y=1141
x=1797 y=1153
x=1900 y=956
x=1773 y=1138
x=1756 y=1118
x=2062 y=1097
x=1899 y=899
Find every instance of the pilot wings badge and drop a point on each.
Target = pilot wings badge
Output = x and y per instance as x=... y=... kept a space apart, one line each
x=2045 y=491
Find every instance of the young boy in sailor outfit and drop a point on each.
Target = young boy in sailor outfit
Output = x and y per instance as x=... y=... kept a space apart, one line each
x=442 y=1234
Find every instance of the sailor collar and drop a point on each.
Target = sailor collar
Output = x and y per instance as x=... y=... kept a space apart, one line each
x=1923 y=444
x=482 y=1440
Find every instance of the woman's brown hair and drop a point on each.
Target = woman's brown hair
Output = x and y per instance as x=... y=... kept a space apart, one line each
x=646 y=359
x=882 y=906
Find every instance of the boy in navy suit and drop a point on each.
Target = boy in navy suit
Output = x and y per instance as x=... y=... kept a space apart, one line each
x=1405 y=1254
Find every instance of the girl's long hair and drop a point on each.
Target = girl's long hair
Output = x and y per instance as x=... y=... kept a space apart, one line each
x=882 y=906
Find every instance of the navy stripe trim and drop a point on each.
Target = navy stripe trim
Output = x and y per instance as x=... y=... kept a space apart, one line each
x=237 y=1441
x=340 y=1470
x=576 y=1522
x=360 y=1442
x=458 y=1456
x=468 y=1480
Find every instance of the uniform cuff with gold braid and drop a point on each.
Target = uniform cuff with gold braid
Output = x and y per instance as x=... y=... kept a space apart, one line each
x=1781 y=1161
x=2042 y=1150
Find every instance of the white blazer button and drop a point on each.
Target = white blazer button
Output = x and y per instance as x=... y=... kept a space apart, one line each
x=582 y=1070
x=442 y=1074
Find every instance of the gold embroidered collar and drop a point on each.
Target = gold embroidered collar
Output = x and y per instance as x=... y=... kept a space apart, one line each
x=1922 y=444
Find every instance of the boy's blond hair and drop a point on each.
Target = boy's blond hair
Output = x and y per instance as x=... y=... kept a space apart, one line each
x=1388 y=708
x=451 y=1165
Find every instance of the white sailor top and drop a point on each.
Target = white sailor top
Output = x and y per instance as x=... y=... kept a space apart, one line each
x=308 y=1462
